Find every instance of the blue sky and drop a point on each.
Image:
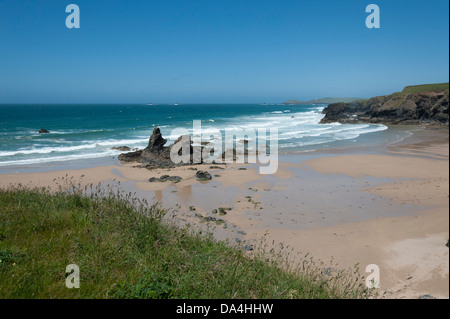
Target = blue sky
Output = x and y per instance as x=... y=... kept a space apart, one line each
x=229 y=51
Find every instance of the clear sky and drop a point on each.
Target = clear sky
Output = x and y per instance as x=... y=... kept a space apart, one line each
x=209 y=51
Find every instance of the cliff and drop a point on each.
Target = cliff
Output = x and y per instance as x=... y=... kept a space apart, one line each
x=421 y=104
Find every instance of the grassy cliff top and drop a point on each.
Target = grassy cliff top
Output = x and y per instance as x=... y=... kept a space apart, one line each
x=407 y=90
x=425 y=88
x=325 y=100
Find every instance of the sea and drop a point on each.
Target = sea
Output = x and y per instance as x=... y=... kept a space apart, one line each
x=89 y=132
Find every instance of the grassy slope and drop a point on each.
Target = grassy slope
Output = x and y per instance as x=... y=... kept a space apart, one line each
x=329 y=100
x=125 y=250
x=421 y=88
x=406 y=90
x=425 y=88
x=399 y=97
x=326 y=100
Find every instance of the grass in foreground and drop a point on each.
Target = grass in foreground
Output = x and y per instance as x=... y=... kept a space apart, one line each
x=125 y=249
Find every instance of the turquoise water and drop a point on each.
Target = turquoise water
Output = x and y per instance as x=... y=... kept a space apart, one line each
x=90 y=131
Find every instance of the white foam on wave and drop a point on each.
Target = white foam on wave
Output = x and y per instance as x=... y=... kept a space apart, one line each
x=297 y=125
x=327 y=136
x=296 y=129
x=86 y=145
x=58 y=158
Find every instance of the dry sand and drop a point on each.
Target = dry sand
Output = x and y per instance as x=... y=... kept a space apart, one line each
x=390 y=209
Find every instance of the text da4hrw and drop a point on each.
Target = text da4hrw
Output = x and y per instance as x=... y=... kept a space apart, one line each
x=226 y=308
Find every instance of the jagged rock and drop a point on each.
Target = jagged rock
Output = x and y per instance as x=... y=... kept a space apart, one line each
x=156 y=155
x=43 y=131
x=156 y=142
x=203 y=175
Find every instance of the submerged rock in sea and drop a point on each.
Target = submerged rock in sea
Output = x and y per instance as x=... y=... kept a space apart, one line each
x=122 y=148
x=43 y=131
x=157 y=155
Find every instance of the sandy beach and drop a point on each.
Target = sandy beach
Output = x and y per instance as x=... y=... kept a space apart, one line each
x=387 y=206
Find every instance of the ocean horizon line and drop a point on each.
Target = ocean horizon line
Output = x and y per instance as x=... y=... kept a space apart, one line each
x=150 y=104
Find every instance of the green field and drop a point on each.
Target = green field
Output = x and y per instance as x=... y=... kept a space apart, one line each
x=125 y=249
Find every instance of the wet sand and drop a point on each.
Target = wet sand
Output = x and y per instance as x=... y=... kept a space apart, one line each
x=386 y=206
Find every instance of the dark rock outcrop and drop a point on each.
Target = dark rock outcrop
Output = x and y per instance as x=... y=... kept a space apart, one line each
x=224 y=210
x=131 y=156
x=166 y=178
x=203 y=175
x=157 y=155
x=43 y=131
x=406 y=107
x=156 y=143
